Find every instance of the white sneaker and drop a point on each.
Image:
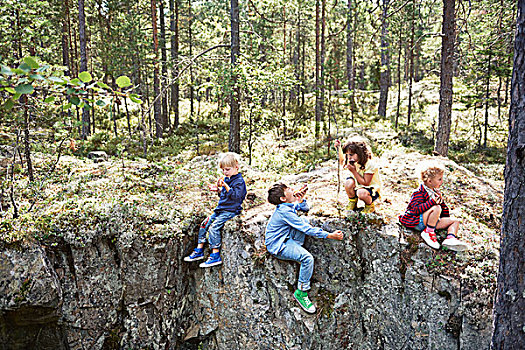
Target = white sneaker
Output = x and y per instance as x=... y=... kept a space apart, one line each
x=455 y=244
x=430 y=239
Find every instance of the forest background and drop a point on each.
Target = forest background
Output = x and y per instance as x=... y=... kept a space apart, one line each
x=277 y=81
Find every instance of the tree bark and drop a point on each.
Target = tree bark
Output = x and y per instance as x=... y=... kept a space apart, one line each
x=317 y=69
x=487 y=95
x=509 y=318
x=164 y=65
x=174 y=27
x=384 y=80
x=27 y=144
x=234 y=144
x=400 y=50
x=156 y=84
x=411 y=62
x=83 y=62
x=349 y=50
x=65 y=41
x=323 y=55
x=190 y=45
x=447 y=72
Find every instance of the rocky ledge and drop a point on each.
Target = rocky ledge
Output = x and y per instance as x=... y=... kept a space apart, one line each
x=119 y=288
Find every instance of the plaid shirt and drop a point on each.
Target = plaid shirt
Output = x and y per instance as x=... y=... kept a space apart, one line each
x=420 y=202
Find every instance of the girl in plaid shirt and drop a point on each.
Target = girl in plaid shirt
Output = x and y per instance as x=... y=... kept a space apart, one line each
x=427 y=210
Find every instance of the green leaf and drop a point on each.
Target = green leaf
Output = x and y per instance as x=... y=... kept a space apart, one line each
x=70 y=91
x=18 y=71
x=85 y=77
x=103 y=85
x=88 y=107
x=134 y=98
x=9 y=104
x=43 y=68
x=49 y=99
x=76 y=81
x=56 y=80
x=101 y=103
x=66 y=106
x=30 y=61
x=123 y=81
x=75 y=100
x=24 y=67
x=24 y=89
x=10 y=90
x=36 y=77
x=5 y=70
x=17 y=96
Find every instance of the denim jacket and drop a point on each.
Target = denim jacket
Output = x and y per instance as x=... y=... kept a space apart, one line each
x=284 y=222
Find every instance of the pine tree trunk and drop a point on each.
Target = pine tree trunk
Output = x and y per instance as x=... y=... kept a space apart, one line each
x=447 y=71
x=400 y=50
x=27 y=144
x=317 y=69
x=384 y=80
x=190 y=45
x=156 y=84
x=83 y=62
x=164 y=65
x=509 y=317
x=294 y=95
x=174 y=27
x=411 y=63
x=234 y=144
x=65 y=42
x=349 y=50
x=487 y=95
x=323 y=54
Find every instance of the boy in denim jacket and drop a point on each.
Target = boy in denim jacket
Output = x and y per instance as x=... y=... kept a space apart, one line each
x=285 y=234
x=232 y=191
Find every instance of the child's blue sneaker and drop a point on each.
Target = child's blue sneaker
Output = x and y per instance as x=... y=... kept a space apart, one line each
x=197 y=254
x=213 y=260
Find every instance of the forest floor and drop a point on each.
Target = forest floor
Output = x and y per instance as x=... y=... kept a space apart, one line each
x=175 y=188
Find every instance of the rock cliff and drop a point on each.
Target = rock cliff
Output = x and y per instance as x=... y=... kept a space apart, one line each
x=116 y=287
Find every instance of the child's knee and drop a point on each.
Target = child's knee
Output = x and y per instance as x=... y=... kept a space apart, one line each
x=437 y=208
x=362 y=194
x=307 y=259
x=350 y=184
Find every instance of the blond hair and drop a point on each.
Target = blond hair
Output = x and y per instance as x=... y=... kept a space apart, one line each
x=229 y=160
x=430 y=169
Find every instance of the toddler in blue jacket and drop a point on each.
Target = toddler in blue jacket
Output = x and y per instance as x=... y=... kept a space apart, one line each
x=285 y=234
x=232 y=191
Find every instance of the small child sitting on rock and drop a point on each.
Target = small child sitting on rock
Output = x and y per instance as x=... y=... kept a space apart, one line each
x=427 y=210
x=232 y=191
x=285 y=234
x=364 y=181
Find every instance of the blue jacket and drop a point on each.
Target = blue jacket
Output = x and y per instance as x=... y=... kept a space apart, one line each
x=232 y=200
x=284 y=222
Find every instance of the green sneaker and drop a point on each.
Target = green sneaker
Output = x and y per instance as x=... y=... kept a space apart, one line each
x=304 y=301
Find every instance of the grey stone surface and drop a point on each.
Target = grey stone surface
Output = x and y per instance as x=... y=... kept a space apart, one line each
x=118 y=288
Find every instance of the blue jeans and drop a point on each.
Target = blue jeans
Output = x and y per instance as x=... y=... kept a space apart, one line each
x=293 y=250
x=213 y=224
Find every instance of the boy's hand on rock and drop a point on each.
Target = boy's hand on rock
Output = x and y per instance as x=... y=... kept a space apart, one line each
x=336 y=235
